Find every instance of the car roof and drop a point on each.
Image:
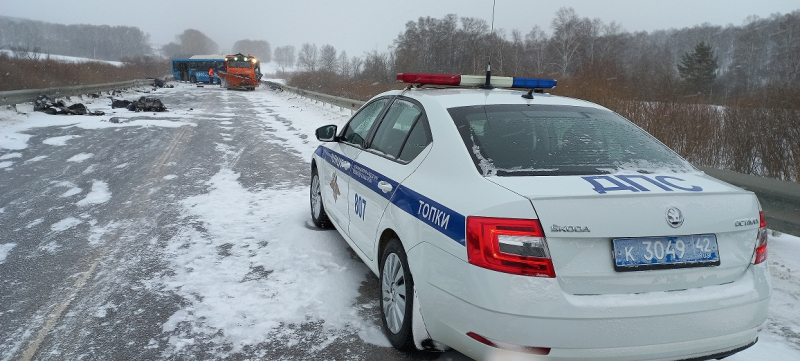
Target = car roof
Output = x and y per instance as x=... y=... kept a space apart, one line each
x=459 y=97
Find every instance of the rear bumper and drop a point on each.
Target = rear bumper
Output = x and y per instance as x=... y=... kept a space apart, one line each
x=457 y=298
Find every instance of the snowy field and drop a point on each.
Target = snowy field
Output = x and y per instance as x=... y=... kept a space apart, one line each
x=63 y=58
x=250 y=270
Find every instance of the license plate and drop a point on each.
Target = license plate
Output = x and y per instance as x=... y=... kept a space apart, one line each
x=646 y=253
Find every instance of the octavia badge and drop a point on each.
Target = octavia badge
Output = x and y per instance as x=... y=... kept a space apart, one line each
x=674 y=217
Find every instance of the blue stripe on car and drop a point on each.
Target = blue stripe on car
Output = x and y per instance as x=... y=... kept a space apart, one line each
x=443 y=219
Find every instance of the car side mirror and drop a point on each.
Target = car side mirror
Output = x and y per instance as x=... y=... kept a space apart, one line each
x=326 y=133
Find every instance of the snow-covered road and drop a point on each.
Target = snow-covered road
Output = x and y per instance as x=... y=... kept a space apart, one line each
x=186 y=235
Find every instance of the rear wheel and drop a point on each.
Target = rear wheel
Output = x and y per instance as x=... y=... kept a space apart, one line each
x=193 y=79
x=318 y=214
x=397 y=296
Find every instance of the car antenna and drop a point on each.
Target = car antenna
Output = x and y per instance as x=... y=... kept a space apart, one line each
x=488 y=84
x=529 y=94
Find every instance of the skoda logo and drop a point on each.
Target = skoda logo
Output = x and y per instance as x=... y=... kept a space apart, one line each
x=674 y=217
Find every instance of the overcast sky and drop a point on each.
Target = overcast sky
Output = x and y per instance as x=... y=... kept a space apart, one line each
x=358 y=26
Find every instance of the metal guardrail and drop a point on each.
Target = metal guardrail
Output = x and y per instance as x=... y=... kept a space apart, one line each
x=325 y=98
x=780 y=200
x=29 y=95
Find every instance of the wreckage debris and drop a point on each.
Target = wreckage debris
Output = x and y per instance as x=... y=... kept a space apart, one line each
x=158 y=83
x=144 y=104
x=46 y=105
x=119 y=103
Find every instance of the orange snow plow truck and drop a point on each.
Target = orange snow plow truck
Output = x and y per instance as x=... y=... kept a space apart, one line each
x=241 y=72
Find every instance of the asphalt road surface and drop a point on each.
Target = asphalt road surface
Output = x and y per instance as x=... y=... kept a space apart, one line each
x=101 y=232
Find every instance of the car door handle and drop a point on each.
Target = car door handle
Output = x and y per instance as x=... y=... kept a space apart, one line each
x=345 y=165
x=385 y=186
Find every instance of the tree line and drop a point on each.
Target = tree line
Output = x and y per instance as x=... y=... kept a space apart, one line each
x=664 y=81
x=734 y=60
x=101 y=42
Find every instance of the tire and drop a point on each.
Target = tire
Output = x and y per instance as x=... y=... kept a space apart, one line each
x=397 y=296
x=193 y=79
x=318 y=214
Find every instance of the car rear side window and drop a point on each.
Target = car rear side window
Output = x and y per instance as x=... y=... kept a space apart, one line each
x=403 y=132
x=356 y=130
x=419 y=138
x=518 y=140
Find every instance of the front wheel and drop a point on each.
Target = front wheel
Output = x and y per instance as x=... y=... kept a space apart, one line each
x=318 y=215
x=397 y=296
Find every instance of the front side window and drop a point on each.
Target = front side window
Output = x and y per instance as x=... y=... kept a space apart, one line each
x=356 y=130
x=395 y=127
x=520 y=140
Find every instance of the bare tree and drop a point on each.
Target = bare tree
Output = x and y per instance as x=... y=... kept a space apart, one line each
x=327 y=59
x=355 y=65
x=378 y=67
x=284 y=56
x=345 y=68
x=785 y=61
x=307 y=58
x=536 y=50
x=566 y=40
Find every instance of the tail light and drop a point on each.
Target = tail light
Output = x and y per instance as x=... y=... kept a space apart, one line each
x=760 y=253
x=516 y=246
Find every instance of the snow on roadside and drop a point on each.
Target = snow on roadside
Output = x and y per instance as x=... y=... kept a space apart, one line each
x=14 y=123
x=5 y=250
x=99 y=194
x=250 y=264
x=65 y=224
x=784 y=264
x=11 y=156
x=80 y=157
x=780 y=340
x=257 y=268
x=306 y=116
x=62 y=58
x=13 y=140
x=59 y=141
x=36 y=159
x=73 y=189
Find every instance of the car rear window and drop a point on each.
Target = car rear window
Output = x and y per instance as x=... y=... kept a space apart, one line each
x=526 y=140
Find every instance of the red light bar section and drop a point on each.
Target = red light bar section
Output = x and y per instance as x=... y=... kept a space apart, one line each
x=435 y=79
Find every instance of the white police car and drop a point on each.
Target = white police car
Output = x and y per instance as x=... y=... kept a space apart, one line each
x=510 y=224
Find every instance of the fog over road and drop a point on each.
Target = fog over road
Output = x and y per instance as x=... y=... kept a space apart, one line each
x=186 y=235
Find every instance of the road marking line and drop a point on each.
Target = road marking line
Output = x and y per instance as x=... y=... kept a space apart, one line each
x=56 y=314
x=170 y=149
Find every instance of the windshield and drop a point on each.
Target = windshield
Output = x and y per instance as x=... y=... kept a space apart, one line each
x=523 y=140
x=240 y=64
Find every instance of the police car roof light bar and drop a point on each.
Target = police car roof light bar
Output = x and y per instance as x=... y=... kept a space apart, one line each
x=435 y=79
x=476 y=80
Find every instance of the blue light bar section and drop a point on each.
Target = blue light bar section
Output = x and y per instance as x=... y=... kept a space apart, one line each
x=534 y=83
